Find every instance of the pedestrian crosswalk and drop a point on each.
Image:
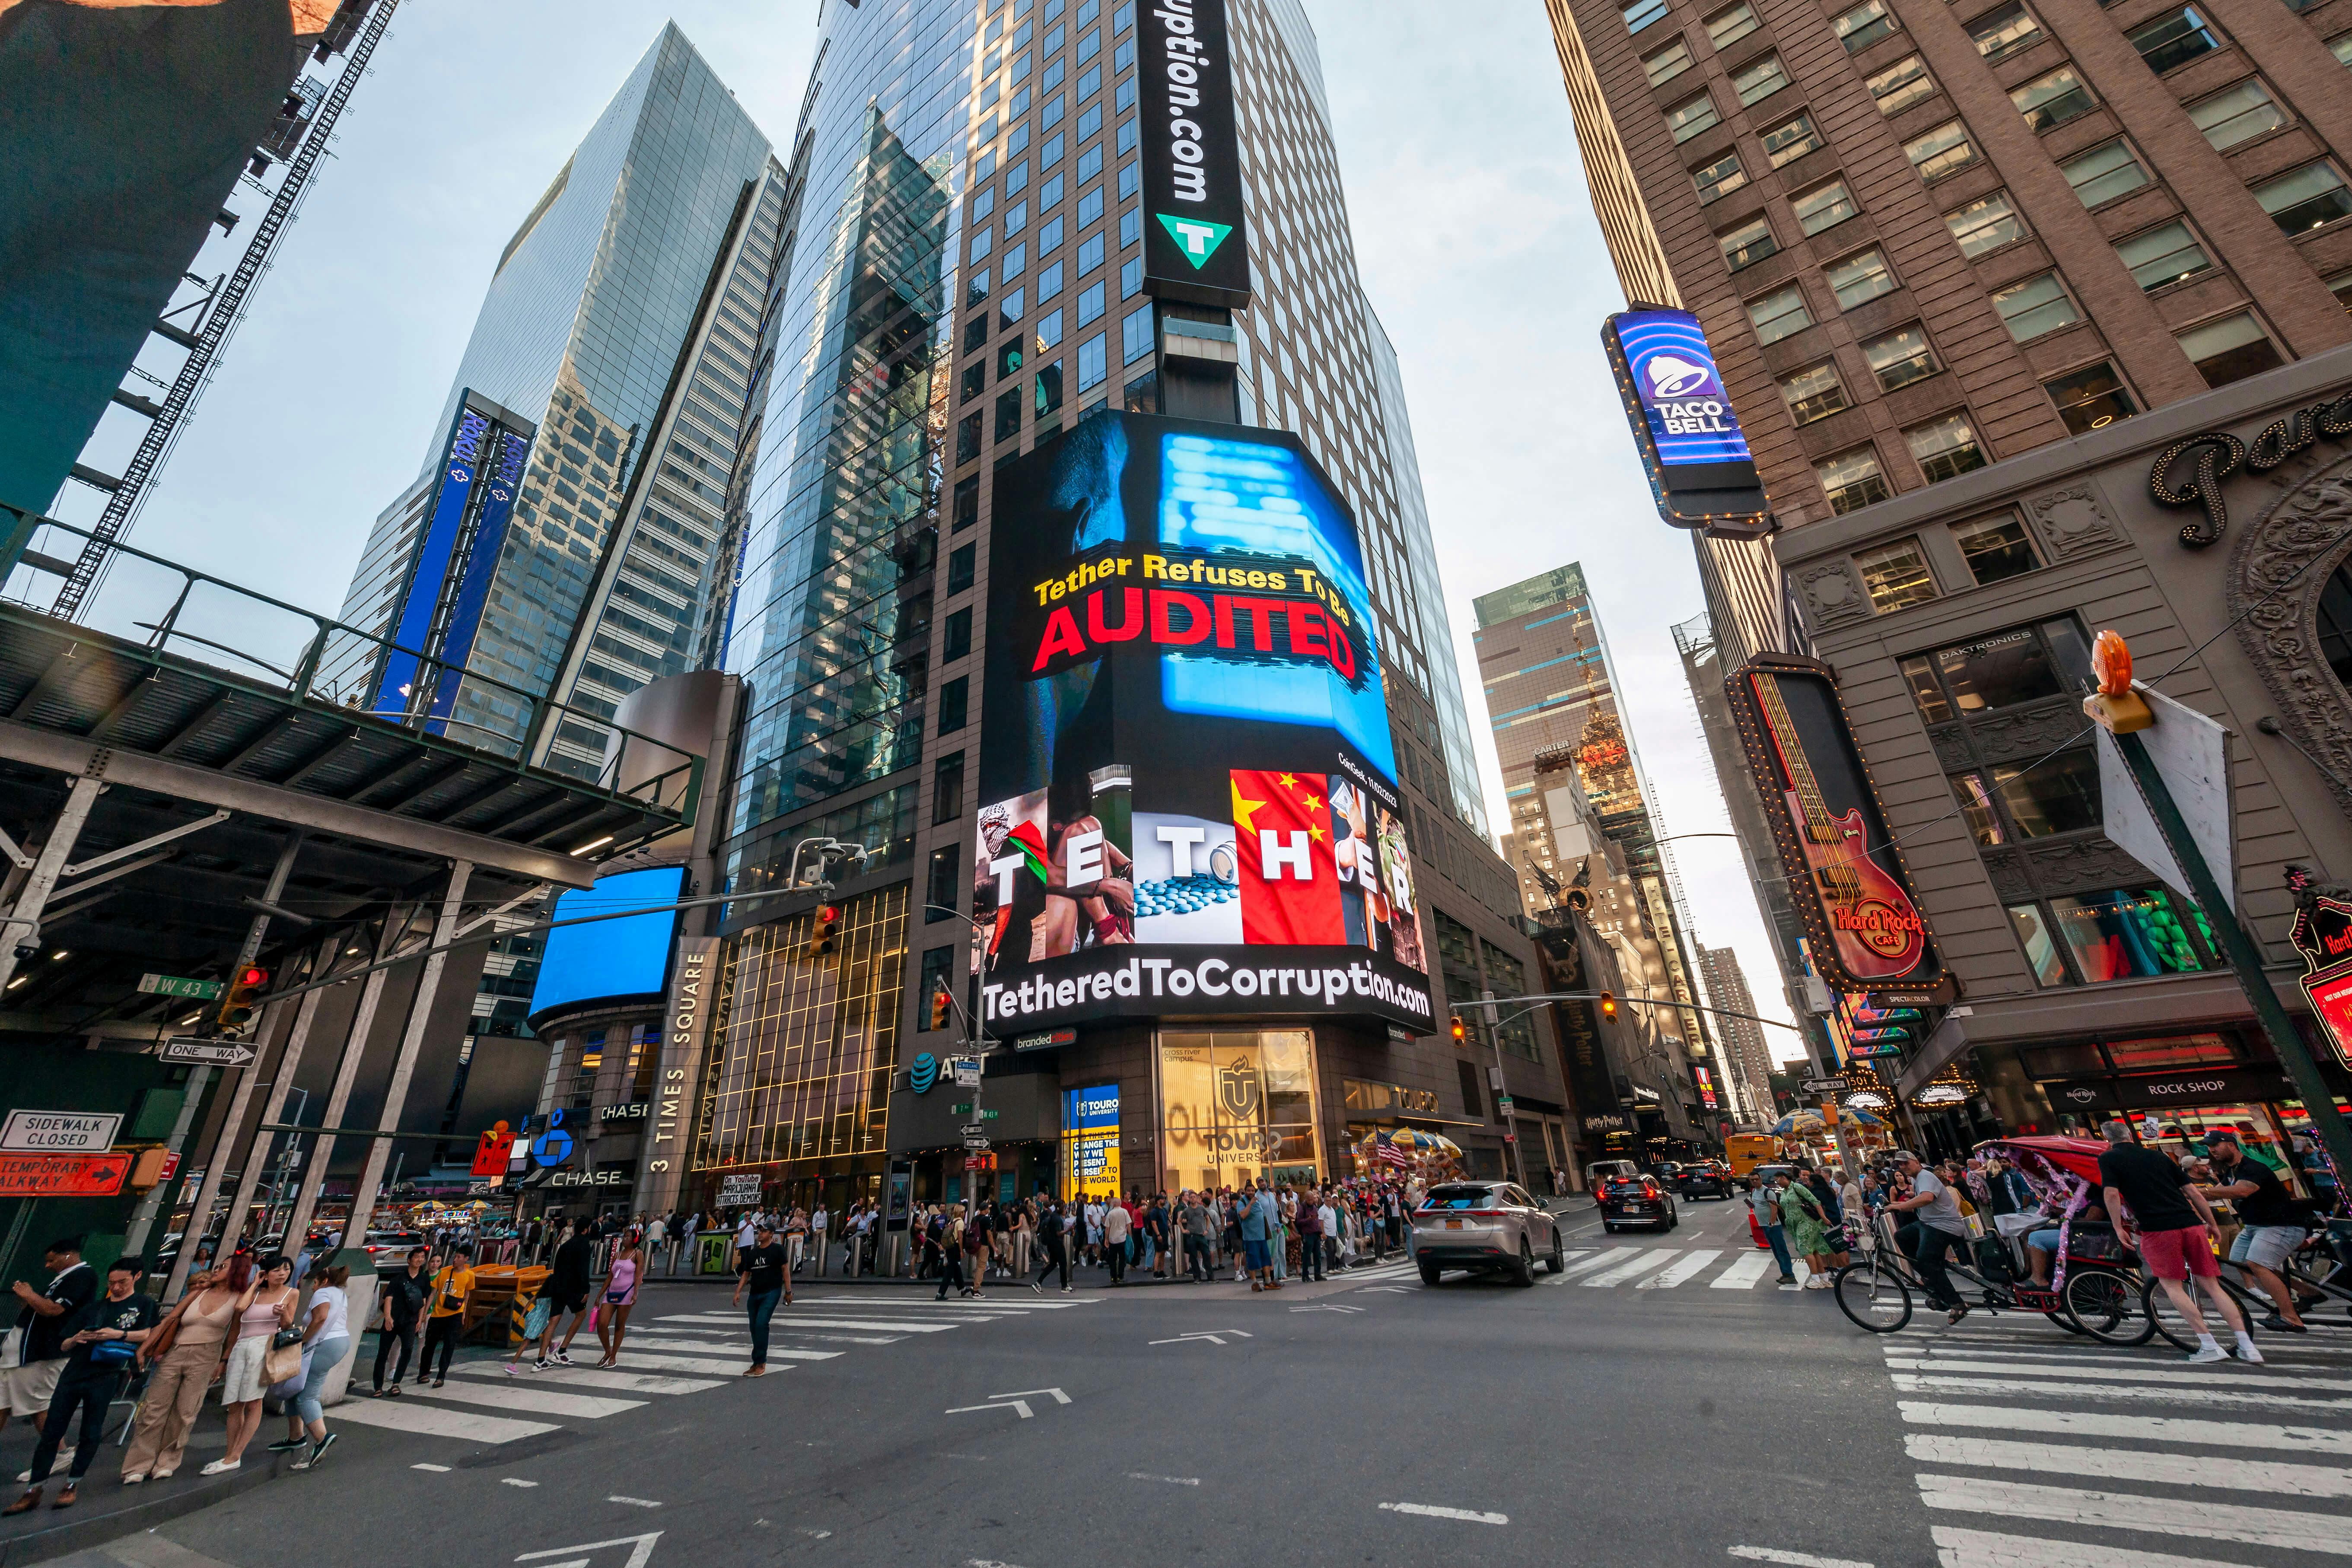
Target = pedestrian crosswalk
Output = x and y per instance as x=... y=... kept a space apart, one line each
x=1664 y=1267
x=2033 y=1449
x=670 y=1355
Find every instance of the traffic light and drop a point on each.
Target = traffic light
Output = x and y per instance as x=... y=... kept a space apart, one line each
x=1460 y=1032
x=828 y=923
x=242 y=998
x=939 y=1007
x=1608 y=1005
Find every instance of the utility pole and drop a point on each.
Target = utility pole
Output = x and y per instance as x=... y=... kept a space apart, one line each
x=1503 y=1091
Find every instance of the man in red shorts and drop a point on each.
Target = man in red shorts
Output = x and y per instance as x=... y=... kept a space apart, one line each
x=2156 y=1212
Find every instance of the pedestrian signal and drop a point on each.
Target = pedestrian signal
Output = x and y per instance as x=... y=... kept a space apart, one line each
x=242 y=999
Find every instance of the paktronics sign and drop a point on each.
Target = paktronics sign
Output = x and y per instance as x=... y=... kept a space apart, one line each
x=1701 y=472
x=1196 y=239
x=1188 y=784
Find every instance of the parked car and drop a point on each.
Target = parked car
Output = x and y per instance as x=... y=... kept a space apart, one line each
x=1706 y=1178
x=1487 y=1227
x=1637 y=1199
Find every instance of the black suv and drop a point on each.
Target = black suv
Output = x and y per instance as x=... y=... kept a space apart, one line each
x=1637 y=1199
x=1706 y=1179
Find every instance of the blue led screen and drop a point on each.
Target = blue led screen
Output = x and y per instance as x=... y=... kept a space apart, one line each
x=614 y=958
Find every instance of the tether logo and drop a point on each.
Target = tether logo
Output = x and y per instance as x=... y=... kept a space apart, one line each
x=1196 y=237
x=924 y=1073
x=1673 y=377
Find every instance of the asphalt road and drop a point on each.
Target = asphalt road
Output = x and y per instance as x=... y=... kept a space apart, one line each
x=1652 y=1405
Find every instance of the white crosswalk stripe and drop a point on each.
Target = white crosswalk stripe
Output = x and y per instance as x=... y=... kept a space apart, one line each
x=1689 y=1266
x=667 y=1356
x=2046 y=1449
x=1632 y=1268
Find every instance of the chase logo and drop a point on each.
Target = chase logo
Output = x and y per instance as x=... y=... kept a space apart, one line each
x=1669 y=376
x=924 y=1073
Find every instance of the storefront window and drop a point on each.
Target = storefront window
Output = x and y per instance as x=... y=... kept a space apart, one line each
x=2130 y=934
x=1236 y=1106
x=2177 y=1050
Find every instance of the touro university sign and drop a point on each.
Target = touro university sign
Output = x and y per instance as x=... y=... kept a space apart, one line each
x=1195 y=234
x=1188 y=784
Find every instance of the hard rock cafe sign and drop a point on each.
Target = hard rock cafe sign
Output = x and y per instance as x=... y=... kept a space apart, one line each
x=2321 y=933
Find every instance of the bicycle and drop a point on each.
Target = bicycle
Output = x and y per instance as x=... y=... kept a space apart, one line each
x=2098 y=1299
x=2318 y=1270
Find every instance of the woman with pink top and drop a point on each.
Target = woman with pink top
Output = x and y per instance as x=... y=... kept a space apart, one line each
x=266 y=1306
x=620 y=1295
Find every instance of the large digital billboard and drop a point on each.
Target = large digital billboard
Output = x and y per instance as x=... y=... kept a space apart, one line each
x=1195 y=230
x=610 y=960
x=1701 y=471
x=1187 y=783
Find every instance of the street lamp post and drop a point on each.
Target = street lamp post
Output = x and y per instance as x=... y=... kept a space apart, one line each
x=976 y=1035
x=1503 y=1091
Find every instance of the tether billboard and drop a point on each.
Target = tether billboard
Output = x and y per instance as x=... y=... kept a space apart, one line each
x=1195 y=233
x=1187 y=783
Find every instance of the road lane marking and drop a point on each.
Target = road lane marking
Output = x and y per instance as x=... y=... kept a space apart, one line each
x=1171 y=1480
x=1796 y=1559
x=2257 y=1399
x=2179 y=1375
x=1691 y=1265
x=2313 y=1441
x=1634 y=1268
x=436 y=1469
x=1212 y=1335
x=741 y=1350
x=1984 y=1549
x=1613 y=1255
x=634 y=1501
x=1745 y=1270
x=591 y=1377
x=2132 y=1465
x=439 y=1421
x=1432 y=1510
x=635 y=1358
x=537 y=1399
x=515 y=1481
x=2281 y=1530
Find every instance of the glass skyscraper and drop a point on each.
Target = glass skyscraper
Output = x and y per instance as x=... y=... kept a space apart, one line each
x=621 y=341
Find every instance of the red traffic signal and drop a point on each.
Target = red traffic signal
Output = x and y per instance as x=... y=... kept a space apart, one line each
x=939 y=1009
x=828 y=922
x=241 y=1000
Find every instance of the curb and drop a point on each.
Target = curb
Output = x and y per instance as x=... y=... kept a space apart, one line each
x=96 y=1529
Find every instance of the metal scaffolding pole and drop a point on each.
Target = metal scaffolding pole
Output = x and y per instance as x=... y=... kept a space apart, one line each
x=412 y=1041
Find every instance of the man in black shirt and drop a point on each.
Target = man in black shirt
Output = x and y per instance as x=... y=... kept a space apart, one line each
x=2158 y=1213
x=403 y=1306
x=761 y=1268
x=100 y=1351
x=2272 y=1220
x=52 y=1312
x=568 y=1283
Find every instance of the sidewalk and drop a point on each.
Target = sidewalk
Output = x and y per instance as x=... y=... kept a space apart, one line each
x=108 y=1510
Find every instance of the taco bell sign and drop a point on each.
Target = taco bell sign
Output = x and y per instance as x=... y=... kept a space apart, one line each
x=1701 y=471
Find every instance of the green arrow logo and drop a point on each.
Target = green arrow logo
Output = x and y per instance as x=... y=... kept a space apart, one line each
x=1197 y=239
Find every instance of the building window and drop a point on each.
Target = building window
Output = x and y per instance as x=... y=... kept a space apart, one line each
x=2174 y=40
x=1641 y=13
x=940 y=893
x=2025 y=664
x=1895 y=575
x=1663 y=64
x=1863 y=25
x=2053 y=99
x=1135 y=338
x=1727 y=26
x=2131 y=934
x=1901 y=85
x=973 y=382
x=947 y=788
x=1008 y=359
x=2231 y=349
x=962 y=563
x=1780 y=313
x=2036 y=307
x=1008 y=415
x=1720 y=178
x=1976 y=808
x=2052 y=794
x=938 y=974
x=2343 y=47
x=967 y=438
x=2336 y=623
x=955 y=637
x=1049 y=391
x=2090 y=399
x=2032 y=929
x=1859 y=278
x=2103 y=174
x=1985 y=225
x=1691 y=116
x=1946 y=448
x=954 y=704
x=1749 y=244
x=1852 y=479
x=1900 y=357
x=1944 y=151
x=2164 y=255
x=1049 y=330
x=1996 y=548
x=1790 y=140
x=966 y=510
x=2002 y=32
x=2304 y=198
x=2341 y=287
x=1090 y=304
x=2237 y=115
x=1094 y=364
x=1813 y=393
x=1823 y=207
x=1758 y=80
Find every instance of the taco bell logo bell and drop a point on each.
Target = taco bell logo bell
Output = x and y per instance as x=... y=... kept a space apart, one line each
x=1669 y=376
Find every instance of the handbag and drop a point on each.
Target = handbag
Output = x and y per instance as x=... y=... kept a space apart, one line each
x=282 y=1363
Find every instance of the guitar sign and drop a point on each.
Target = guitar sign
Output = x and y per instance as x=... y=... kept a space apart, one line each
x=1864 y=927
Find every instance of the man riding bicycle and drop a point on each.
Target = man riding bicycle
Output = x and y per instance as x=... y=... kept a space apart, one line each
x=1938 y=1228
x=2272 y=1218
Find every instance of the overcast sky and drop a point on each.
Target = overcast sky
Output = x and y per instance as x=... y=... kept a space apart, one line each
x=1474 y=237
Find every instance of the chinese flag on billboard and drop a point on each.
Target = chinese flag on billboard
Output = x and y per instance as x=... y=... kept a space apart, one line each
x=1289 y=879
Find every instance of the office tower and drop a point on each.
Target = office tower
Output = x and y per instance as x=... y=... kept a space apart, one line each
x=2008 y=294
x=1743 y=1038
x=573 y=533
x=976 y=171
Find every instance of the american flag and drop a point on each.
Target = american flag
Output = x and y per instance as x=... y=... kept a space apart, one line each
x=1387 y=1152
